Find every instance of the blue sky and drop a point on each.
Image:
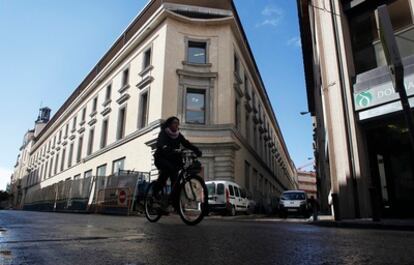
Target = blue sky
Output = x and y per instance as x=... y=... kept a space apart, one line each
x=47 y=48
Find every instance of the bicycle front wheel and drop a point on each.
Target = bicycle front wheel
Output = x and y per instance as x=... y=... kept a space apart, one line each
x=193 y=200
x=152 y=207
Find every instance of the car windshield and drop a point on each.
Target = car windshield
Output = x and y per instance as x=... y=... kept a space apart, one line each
x=293 y=196
x=211 y=187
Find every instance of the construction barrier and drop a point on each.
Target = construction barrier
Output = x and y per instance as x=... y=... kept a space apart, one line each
x=121 y=193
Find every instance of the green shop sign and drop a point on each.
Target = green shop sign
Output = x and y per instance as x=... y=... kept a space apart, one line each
x=381 y=94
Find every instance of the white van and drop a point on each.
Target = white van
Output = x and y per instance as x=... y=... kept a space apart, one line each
x=226 y=197
x=294 y=202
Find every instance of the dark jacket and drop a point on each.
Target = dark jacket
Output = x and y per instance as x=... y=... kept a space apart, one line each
x=167 y=145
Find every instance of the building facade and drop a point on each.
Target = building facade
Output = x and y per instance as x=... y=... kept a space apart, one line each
x=307 y=183
x=185 y=58
x=362 y=147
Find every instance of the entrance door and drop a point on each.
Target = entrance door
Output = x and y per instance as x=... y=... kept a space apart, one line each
x=391 y=167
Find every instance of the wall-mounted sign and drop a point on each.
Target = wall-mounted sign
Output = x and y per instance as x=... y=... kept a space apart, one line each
x=381 y=94
x=383 y=110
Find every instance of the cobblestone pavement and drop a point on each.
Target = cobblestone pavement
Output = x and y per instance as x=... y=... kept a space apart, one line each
x=59 y=238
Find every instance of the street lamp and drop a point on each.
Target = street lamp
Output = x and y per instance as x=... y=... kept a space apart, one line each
x=304 y=112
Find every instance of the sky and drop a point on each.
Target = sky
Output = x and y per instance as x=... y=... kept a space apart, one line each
x=47 y=48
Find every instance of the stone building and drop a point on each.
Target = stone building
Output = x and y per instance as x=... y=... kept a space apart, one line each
x=362 y=145
x=178 y=57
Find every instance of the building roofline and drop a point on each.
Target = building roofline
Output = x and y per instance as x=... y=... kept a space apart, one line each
x=130 y=31
x=122 y=40
x=307 y=50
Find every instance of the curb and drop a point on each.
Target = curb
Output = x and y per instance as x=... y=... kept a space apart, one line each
x=360 y=225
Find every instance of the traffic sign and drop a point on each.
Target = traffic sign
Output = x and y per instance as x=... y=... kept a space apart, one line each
x=122 y=197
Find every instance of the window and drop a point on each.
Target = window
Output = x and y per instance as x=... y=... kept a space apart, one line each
x=243 y=193
x=79 y=154
x=70 y=155
x=256 y=179
x=143 y=111
x=236 y=192
x=42 y=171
x=104 y=136
x=147 y=59
x=87 y=174
x=125 y=77
x=197 y=52
x=50 y=167
x=231 y=190
x=367 y=48
x=56 y=163
x=220 y=189
x=118 y=165
x=108 y=92
x=101 y=171
x=195 y=109
x=66 y=130
x=74 y=123
x=76 y=177
x=248 y=127
x=83 y=114
x=247 y=175
x=100 y=174
x=90 y=141
x=121 y=123
x=236 y=65
x=255 y=137
x=62 y=162
x=237 y=114
x=60 y=136
x=94 y=104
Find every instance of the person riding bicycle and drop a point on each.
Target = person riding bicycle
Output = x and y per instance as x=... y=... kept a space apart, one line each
x=167 y=159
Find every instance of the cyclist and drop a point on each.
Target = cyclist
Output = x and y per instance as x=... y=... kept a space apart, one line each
x=167 y=159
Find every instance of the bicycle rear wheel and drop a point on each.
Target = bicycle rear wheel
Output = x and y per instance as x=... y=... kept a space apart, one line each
x=193 y=200
x=152 y=210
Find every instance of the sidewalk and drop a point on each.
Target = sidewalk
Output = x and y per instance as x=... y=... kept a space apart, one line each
x=383 y=224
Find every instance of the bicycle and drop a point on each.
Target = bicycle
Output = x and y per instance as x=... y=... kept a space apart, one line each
x=192 y=194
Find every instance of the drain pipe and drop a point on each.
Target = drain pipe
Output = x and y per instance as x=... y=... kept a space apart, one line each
x=345 y=103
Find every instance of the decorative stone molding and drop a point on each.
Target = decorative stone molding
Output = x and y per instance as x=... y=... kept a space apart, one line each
x=124 y=88
x=122 y=99
x=106 y=103
x=146 y=70
x=106 y=111
x=144 y=82
x=92 y=122
x=93 y=114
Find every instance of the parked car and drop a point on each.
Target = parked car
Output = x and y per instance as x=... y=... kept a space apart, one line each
x=294 y=202
x=226 y=197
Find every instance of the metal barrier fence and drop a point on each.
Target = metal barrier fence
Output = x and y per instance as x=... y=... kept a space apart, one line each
x=120 y=193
